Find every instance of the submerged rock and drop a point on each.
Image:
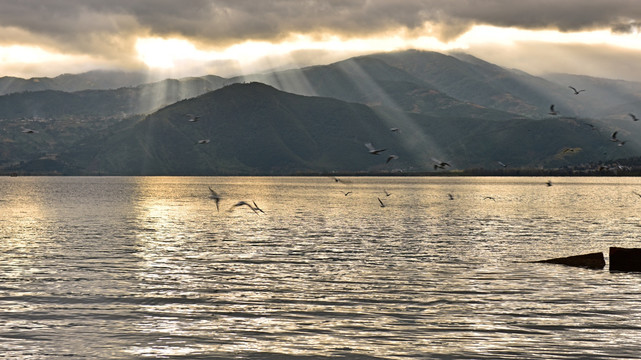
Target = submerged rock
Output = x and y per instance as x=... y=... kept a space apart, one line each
x=590 y=261
x=625 y=259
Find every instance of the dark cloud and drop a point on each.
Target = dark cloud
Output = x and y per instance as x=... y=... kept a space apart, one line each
x=223 y=21
x=107 y=29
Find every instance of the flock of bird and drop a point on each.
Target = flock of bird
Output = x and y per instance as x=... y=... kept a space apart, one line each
x=613 y=137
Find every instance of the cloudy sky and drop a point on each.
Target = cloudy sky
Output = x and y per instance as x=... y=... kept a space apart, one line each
x=232 y=37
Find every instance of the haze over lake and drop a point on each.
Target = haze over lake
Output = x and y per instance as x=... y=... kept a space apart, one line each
x=146 y=267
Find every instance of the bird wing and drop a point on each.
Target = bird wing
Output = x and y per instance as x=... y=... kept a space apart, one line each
x=379 y=200
x=370 y=147
x=573 y=88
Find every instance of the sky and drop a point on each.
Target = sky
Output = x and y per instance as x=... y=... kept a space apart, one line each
x=235 y=37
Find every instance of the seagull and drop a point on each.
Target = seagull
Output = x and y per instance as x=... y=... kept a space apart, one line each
x=634 y=118
x=395 y=129
x=29 y=131
x=489 y=198
x=637 y=194
x=372 y=150
x=390 y=158
x=387 y=193
x=552 y=111
x=243 y=203
x=192 y=117
x=213 y=195
x=614 y=137
x=440 y=164
x=450 y=196
x=381 y=202
x=502 y=164
x=206 y=141
x=346 y=193
x=256 y=208
x=576 y=92
x=549 y=183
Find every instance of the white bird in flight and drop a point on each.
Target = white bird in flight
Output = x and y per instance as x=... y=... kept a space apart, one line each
x=205 y=141
x=192 y=117
x=372 y=150
x=390 y=158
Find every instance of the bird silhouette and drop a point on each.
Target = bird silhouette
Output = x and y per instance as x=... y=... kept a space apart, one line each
x=346 y=193
x=29 y=131
x=634 y=118
x=387 y=193
x=372 y=150
x=614 y=137
x=390 y=158
x=256 y=208
x=243 y=203
x=380 y=202
x=213 y=195
x=552 y=111
x=438 y=164
x=205 y=141
x=576 y=92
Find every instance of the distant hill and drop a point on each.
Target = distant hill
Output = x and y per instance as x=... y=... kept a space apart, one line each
x=455 y=108
x=104 y=103
x=92 y=80
x=372 y=81
x=256 y=129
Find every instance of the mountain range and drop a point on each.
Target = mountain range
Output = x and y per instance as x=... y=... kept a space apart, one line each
x=443 y=108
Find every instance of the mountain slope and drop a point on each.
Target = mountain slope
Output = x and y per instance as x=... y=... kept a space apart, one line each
x=256 y=129
x=371 y=81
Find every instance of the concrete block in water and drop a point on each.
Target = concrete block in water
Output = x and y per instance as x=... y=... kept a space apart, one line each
x=590 y=261
x=625 y=259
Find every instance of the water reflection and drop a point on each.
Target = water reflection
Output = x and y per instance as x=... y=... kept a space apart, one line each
x=146 y=267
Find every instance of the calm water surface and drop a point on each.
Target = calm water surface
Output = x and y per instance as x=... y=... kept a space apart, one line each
x=131 y=268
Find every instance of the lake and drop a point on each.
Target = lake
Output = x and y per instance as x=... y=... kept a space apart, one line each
x=147 y=267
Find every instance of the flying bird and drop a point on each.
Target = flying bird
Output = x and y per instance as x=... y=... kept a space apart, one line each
x=576 y=92
x=634 y=118
x=192 y=117
x=390 y=158
x=256 y=208
x=552 y=111
x=206 y=141
x=450 y=196
x=395 y=129
x=489 y=198
x=614 y=137
x=502 y=164
x=346 y=193
x=243 y=203
x=372 y=150
x=213 y=195
x=549 y=183
x=440 y=164
x=387 y=193
x=381 y=202
x=29 y=131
